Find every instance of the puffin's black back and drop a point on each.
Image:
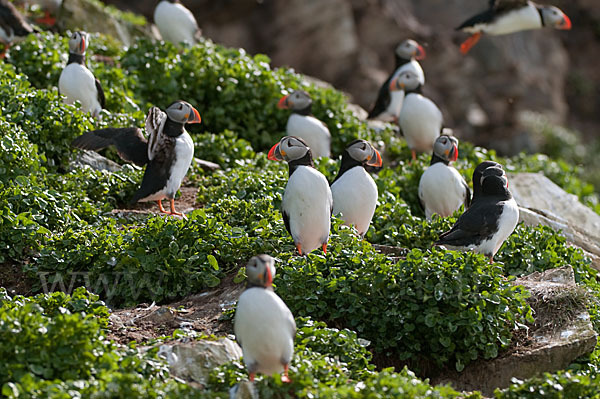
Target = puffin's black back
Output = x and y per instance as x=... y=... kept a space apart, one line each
x=496 y=8
x=383 y=96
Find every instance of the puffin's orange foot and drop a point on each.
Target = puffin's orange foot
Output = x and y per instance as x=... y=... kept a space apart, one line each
x=173 y=211
x=160 y=207
x=470 y=42
x=299 y=248
x=413 y=155
x=325 y=248
x=251 y=377
x=285 y=378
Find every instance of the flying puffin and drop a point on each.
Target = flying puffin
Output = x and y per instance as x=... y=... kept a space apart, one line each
x=354 y=191
x=420 y=120
x=508 y=16
x=50 y=8
x=167 y=153
x=407 y=53
x=76 y=82
x=307 y=201
x=442 y=189
x=13 y=26
x=302 y=124
x=490 y=219
x=176 y=23
x=263 y=325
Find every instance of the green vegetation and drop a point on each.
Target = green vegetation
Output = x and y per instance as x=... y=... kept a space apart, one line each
x=432 y=309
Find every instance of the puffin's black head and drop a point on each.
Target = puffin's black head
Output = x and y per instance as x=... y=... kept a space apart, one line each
x=289 y=149
x=409 y=49
x=364 y=153
x=260 y=271
x=494 y=181
x=297 y=101
x=406 y=81
x=446 y=148
x=183 y=112
x=477 y=173
x=78 y=42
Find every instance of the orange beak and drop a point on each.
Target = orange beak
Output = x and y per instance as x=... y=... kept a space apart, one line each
x=454 y=153
x=420 y=53
x=566 y=23
x=282 y=104
x=274 y=153
x=196 y=118
x=375 y=159
x=269 y=281
x=82 y=46
x=393 y=85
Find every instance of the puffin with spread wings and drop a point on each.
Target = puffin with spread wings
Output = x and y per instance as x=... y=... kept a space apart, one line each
x=167 y=153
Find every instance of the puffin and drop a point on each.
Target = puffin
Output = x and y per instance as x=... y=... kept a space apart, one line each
x=353 y=190
x=13 y=26
x=307 y=201
x=77 y=82
x=407 y=55
x=491 y=218
x=509 y=16
x=167 y=154
x=477 y=172
x=263 y=325
x=442 y=190
x=420 y=120
x=176 y=23
x=302 y=124
x=50 y=8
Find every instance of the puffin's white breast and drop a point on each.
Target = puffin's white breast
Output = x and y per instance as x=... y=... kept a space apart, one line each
x=421 y=122
x=184 y=150
x=506 y=225
x=265 y=328
x=355 y=197
x=175 y=22
x=307 y=200
x=513 y=21
x=77 y=83
x=441 y=190
x=311 y=130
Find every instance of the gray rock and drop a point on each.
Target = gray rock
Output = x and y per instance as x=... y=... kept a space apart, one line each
x=562 y=332
x=193 y=361
x=93 y=160
x=543 y=202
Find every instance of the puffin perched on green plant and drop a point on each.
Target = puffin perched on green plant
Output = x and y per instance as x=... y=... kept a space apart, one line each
x=167 y=154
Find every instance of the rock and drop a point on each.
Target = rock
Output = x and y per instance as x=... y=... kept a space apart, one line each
x=206 y=165
x=541 y=202
x=193 y=361
x=93 y=160
x=92 y=17
x=562 y=332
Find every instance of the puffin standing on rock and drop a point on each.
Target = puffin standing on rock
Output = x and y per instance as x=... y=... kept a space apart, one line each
x=354 y=191
x=419 y=118
x=13 y=26
x=263 y=324
x=176 y=23
x=442 y=189
x=489 y=221
x=167 y=154
x=407 y=53
x=302 y=124
x=307 y=202
x=509 y=16
x=76 y=82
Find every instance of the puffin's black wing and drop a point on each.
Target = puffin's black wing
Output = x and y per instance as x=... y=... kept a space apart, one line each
x=12 y=20
x=501 y=6
x=286 y=221
x=383 y=98
x=130 y=143
x=101 y=98
x=467 y=195
x=476 y=224
x=481 y=18
x=156 y=175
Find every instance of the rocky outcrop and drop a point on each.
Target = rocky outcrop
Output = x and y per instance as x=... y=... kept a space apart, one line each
x=562 y=332
x=543 y=202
